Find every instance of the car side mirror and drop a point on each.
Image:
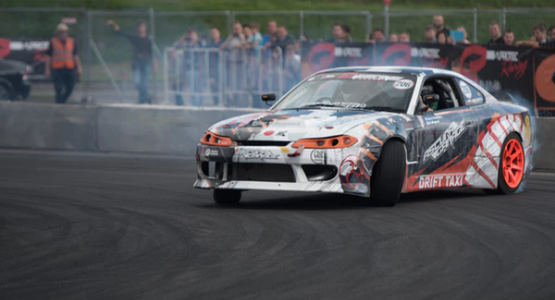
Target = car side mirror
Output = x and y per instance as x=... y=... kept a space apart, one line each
x=430 y=99
x=269 y=97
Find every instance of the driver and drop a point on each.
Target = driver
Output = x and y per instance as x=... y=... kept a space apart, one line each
x=425 y=106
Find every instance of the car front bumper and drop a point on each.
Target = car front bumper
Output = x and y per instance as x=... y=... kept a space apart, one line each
x=281 y=168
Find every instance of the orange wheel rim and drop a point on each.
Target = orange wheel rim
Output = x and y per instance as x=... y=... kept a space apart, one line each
x=513 y=163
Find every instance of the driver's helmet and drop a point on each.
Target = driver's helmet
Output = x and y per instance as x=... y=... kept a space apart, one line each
x=347 y=92
x=428 y=89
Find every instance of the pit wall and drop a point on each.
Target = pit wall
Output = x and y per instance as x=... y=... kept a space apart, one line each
x=147 y=129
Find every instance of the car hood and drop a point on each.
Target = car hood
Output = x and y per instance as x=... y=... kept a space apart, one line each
x=291 y=124
x=11 y=66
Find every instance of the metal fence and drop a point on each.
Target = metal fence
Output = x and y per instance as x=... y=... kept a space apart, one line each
x=225 y=78
x=107 y=57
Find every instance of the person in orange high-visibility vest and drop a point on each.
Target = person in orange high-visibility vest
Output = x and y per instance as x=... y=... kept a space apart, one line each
x=62 y=62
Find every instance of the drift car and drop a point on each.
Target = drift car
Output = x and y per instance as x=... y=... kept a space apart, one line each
x=375 y=132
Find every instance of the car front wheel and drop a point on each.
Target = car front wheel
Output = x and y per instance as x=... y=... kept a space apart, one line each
x=388 y=174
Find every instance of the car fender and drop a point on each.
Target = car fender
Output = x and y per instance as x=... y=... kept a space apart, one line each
x=371 y=138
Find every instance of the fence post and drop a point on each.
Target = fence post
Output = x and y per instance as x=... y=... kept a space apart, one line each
x=386 y=20
x=475 y=25
x=301 y=23
x=152 y=22
x=368 y=25
x=88 y=55
x=230 y=25
x=228 y=22
x=504 y=18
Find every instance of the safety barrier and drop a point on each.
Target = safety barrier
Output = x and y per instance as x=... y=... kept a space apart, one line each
x=225 y=78
x=129 y=128
x=47 y=126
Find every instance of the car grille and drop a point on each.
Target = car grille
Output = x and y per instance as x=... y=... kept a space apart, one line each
x=263 y=143
x=261 y=172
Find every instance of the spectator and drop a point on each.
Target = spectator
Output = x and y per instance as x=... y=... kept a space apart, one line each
x=338 y=34
x=63 y=58
x=248 y=36
x=143 y=58
x=215 y=42
x=551 y=32
x=540 y=34
x=465 y=41
x=393 y=38
x=215 y=38
x=495 y=34
x=442 y=38
x=256 y=39
x=539 y=39
x=192 y=65
x=431 y=34
x=451 y=40
x=439 y=25
x=235 y=40
x=347 y=33
x=377 y=36
x=508 y=38
x=283 y=39
x=550 y=38
x=404 y=37
x=267 y=39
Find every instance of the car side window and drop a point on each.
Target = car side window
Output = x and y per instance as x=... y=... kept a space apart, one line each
x=470 y=94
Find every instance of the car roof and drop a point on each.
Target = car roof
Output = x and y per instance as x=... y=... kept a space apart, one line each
x=412 y=70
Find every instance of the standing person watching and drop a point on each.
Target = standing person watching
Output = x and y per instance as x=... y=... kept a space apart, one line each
x=508 y=38
x=62 y=58
x=215 y=42
x=404 y=37
x=495 y=33
x=431 y=34
x=439 y=25
x=377 y=36
x=143 y=58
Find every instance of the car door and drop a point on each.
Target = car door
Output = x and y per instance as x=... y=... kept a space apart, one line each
x=483 y=171
x=445 y=140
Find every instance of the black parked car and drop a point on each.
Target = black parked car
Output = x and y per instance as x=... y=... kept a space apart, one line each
x=14 y=80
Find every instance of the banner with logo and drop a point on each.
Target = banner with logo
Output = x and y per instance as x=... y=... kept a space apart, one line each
x=544 y=79
x=29 y=51
x=416 y=55
x=498 y=68
x=320 y=56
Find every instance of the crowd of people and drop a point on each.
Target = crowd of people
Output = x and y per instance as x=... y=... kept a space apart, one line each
x=276 y=46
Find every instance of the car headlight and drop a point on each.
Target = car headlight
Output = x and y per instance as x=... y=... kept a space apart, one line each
x=327 y=143
x=211 y=139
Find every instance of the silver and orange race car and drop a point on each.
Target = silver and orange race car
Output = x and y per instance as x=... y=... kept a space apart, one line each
x=375 y=132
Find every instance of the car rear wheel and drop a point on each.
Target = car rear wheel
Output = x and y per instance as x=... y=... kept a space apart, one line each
x=388 y=174
x=6 y=92
x=511 y=166
x=227 y=196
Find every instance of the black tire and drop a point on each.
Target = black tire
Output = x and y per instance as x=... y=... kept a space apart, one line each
x=227 y=196
x=502 y=187
x=6 y=92
x=388 y=174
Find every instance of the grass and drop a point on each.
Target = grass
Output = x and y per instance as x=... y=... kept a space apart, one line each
x=240 y=5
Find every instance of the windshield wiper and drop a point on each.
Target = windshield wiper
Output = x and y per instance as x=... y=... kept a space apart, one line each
x=340 y=105
x=319 y=105
x=383 y=108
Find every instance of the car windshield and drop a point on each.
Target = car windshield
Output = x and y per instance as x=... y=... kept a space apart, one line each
x=353 y=90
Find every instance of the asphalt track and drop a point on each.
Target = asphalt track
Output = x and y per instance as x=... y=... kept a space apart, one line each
x=80 y=226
